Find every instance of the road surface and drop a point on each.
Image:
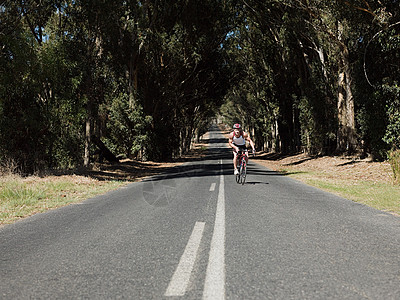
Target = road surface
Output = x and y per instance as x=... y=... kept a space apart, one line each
x=194 y=233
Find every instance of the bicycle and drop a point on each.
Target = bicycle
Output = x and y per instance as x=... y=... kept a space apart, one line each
x=241 y=158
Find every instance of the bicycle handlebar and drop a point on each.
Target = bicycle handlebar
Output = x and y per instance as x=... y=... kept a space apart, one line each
x=242 y=151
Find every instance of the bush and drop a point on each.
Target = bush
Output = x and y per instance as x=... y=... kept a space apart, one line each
x=8 y=166
x=394 y=159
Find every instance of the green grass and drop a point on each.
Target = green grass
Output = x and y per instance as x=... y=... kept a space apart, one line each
x=380 y=195
x=21 y=197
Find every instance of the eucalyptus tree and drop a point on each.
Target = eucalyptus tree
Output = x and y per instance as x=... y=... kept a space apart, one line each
x=269 y=49
x=55 y=76
x=380 y=72
x=166 y=62
x=181 y=70
x=26 y=94
x=144 y=77
x=343 y=31
x=310 y=54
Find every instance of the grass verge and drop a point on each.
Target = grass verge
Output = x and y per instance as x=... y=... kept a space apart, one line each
x=21 y=197
x=384 y=196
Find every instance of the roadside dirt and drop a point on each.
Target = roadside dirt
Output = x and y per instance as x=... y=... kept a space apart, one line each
x=132 y=170
x=348 y=168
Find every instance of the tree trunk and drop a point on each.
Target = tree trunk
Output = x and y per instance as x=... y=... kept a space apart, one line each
x=275 y=140
x=88 y=133
x=346 y=138
x=93 y=86
x=105 y=152
x=132 y=75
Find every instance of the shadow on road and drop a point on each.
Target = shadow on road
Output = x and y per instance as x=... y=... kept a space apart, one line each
x=209 y=165
x=198 y=163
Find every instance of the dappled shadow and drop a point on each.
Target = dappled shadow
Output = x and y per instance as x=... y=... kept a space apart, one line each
x=252 y=170
x=201 y=161
x=353 y=162
x=208 y=164
x=210 y=167
x=274 y=156
x=279 y=156
x=221 y=141
x=299 y=162
x=286 y=173
x=194 y=170
x=128 y=170
x=191 y=164
x=255 y=182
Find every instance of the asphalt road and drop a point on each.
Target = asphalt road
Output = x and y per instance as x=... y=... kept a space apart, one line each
x=193 y=233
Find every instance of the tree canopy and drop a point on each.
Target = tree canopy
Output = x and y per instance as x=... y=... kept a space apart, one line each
x=141 y=79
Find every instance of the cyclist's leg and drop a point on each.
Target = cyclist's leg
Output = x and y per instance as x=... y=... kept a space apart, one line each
x=247 y=156
x=234 y=160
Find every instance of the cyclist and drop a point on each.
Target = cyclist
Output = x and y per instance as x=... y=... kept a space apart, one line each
x=237 y=141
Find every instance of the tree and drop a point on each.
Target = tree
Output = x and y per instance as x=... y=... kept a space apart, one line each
x=143 y=78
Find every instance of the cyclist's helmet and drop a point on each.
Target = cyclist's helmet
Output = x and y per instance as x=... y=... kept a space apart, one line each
x=237 y=126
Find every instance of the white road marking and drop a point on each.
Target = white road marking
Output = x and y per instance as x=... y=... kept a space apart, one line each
x=180 y=279
x=212 y=187
x=214 y=286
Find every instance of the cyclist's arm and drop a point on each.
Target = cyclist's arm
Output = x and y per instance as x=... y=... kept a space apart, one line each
x=250 y=142
x=232 y=145
x=252 y=145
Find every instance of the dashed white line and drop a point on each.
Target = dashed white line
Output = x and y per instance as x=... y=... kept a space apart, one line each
x=214 y=287
x=212 y=187
x=180 y=279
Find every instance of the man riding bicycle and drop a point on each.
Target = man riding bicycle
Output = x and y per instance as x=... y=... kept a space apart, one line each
x=237 y=141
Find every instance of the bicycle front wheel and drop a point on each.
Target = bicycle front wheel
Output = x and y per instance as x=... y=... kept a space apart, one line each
x=238 y=178
x=243 y=173
x=238 y=175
